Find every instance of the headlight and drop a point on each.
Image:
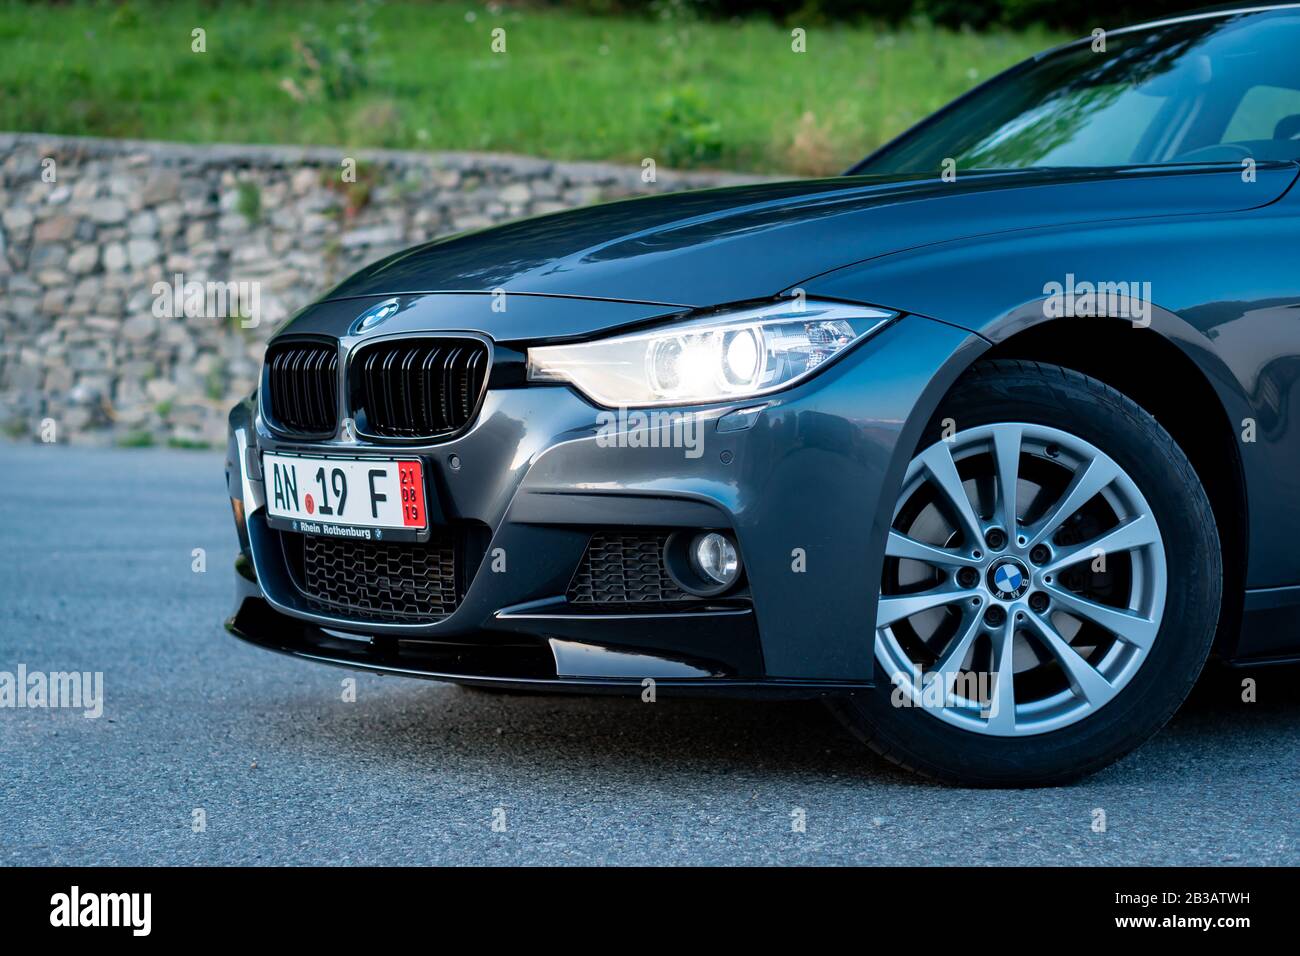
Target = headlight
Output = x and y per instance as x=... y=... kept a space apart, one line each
x=734 y=355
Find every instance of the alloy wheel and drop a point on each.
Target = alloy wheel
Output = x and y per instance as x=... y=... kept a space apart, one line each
x=1024 y=581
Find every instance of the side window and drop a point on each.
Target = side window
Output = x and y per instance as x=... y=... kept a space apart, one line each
x=1259 y=113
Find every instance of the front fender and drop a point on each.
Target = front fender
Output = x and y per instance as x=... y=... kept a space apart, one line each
x=1222 y=288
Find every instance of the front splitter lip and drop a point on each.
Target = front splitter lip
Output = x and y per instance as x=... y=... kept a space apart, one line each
x=313 y=643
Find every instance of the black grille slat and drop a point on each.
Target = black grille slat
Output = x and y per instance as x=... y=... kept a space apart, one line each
x=303 y=363
x=448 y=383
x=370 y=377
x=291 y=387
x=302 y=387
x=419 y=388
x=299 y=386
x=387 y=383
x=427 y=390
x=380 y=581
x=326 y=364
x=275 y=380
x=468 y=375
x=407 y=386
x=295 y=403
x=624 y=568
x=311 y=365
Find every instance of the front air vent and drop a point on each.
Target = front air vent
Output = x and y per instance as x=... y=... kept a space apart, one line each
x=300 y=391
x=380 y=581
x=417 y=388
x=390 y=581
x=622 y=568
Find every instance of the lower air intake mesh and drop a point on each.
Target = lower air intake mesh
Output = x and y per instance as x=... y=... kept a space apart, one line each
x=399 y=582
x=620 y=568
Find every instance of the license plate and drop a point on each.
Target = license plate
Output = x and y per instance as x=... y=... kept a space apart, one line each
x=346 y=497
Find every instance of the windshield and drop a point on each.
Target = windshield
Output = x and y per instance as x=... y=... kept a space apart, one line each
x=1221 y=89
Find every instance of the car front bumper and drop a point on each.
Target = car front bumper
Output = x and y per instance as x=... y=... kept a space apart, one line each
x=806 y=487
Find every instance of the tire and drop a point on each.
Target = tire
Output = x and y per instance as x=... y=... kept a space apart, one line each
x=1083 y=698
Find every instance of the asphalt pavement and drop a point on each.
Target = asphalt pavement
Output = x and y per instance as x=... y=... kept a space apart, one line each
x=209 y=751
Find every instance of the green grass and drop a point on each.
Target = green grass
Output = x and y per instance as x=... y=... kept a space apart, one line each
x=727 y=95
x=136 y=439
x=188 y=444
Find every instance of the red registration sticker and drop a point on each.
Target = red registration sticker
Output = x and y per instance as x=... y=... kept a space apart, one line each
x=411 y=476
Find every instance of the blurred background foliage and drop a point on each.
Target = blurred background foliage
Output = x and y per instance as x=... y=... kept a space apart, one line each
x=1076 y=15
x=690 y=83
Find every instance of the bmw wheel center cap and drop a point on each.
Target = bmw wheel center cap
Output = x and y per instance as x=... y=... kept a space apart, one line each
x=1008 y=579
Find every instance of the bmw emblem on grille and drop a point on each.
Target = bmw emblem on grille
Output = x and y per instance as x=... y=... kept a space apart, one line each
x=1008 y=579
x=375 y=314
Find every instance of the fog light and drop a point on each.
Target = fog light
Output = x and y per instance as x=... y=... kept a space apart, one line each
x=715 y=557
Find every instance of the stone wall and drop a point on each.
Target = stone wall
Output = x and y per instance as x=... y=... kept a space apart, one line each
x=89 y=227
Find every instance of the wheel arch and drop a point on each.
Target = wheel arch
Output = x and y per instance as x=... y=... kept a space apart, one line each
x=1209 y=353
x=1158 y=375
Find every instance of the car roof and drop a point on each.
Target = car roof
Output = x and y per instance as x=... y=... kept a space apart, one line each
x=1206 y=13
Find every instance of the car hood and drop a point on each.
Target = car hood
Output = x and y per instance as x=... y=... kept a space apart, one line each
x=727 y=245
